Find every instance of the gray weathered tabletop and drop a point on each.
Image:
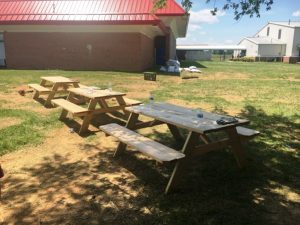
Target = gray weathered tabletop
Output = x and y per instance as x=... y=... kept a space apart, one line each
x=184 y=117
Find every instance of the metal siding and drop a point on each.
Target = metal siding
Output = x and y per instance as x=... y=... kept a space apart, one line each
x=39 y=11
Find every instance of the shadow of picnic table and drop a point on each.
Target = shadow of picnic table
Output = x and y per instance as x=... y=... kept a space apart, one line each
x=129 y=189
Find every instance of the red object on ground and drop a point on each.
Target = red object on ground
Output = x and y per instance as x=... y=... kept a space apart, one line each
x=85 y=12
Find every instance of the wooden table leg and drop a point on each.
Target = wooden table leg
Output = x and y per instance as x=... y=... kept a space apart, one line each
x=133 y=118
x=181 y=165
x=175 y=132
x=237 y=147
x=85 y=123
x=122 y=102
x=205 y=138
x=51 y=94
x=37 y=93
x=76 y=99
x=64 y=112
x=103 y=103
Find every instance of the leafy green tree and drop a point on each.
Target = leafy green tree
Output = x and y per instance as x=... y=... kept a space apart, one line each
x=239 y=7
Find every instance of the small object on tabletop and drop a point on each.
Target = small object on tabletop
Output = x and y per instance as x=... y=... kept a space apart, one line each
x=200 y=115
x=226 y=120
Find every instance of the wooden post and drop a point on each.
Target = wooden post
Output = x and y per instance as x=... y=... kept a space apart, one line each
x=130 y=125
x=175 y=132
x=237 y=147
x=180 y=166
x=85 y=123
x=205 y=138
x=87 y=118
x=52 y=94
x=122 y=102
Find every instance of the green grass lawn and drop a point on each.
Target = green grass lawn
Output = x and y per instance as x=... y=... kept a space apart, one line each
x=215 y=190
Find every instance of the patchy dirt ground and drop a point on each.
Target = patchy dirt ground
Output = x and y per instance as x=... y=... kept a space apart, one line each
x=9 y=121
x=225 y=76
x=45 y=184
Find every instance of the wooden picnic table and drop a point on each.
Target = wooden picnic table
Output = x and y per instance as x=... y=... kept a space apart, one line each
x=52 y=85
x=94 y=98
x=198 y=127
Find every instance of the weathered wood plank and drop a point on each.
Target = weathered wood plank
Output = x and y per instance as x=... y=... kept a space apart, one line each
x=145 y=145
x=141 y=124
x=236 y=146
x=184 y=118
x=92 y=94
x=71 y=107
x=243 y=131
x=59 y=79
x=39 y=88
x=181 y=165
x=131 y=102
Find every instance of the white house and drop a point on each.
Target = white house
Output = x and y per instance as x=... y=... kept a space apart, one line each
x=279 y=40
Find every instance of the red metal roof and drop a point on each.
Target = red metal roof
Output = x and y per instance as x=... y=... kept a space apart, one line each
x=84 y=11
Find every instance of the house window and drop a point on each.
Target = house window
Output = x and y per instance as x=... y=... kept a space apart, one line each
x=268 y=31
x=279 y=34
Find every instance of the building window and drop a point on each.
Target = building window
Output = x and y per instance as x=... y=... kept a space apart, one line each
x=279 y=34
x=268 y=31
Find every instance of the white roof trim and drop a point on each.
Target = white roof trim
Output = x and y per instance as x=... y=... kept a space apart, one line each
x=264 y=41
x=287 y=25
x=210 y=47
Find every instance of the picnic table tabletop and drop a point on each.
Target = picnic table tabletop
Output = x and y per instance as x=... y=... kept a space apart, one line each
x=58 y=79
x=52 y=85
x=93 y=97
x=94 y=94
x=198 y=121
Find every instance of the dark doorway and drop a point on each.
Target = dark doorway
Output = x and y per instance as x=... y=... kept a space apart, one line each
x=160 y=50
x=2 y=51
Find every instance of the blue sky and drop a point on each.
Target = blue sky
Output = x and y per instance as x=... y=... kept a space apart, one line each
x=223 y=29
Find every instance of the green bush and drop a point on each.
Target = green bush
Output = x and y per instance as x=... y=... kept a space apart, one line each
x=244 y=59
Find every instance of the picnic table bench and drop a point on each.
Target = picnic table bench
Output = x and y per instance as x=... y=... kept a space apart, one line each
x=179 y=117
x=246 y=134
x=155 y=150
x=52 y=85
x=95 y=98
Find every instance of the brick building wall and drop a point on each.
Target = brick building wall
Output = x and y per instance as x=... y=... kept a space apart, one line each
x=78 y=51
x=287 y=59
